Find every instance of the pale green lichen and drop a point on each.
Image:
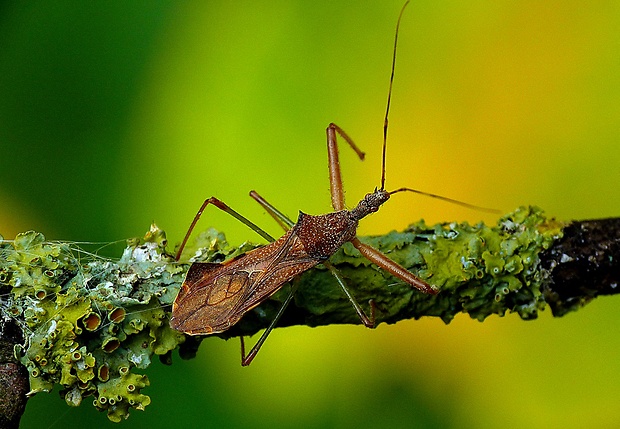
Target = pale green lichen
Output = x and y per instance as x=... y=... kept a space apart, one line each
x=91 y=322
x=64 y=306
x=478 y=269
x=490 y=270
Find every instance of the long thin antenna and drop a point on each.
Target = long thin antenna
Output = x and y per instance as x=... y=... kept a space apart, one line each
x=387 y=110
x=450 y=200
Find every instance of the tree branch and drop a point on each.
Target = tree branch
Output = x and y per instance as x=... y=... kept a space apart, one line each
x=89 y=323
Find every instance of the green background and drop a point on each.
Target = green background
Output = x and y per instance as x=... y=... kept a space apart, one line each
x=115 y=114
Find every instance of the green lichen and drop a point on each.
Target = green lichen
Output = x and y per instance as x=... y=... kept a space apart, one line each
x=478 y=269
x=63 y=306
x=92 y=323
x=121 y=393
x=491 y=270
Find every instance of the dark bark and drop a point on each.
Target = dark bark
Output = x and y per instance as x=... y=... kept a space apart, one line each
x=583 y=264
x=13 y=377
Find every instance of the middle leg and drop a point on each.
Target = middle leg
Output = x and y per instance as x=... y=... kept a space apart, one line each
x=222 y=206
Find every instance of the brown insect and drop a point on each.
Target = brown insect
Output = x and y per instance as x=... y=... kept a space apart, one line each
x=215 y=296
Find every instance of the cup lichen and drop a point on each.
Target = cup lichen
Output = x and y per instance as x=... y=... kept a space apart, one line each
x=80 y=331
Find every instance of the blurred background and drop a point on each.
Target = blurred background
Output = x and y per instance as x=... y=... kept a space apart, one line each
x=116 y=114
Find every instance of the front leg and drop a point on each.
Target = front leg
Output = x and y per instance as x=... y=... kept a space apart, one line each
x=382 y=261
x=335 y=176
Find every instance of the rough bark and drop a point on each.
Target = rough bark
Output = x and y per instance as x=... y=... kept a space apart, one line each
x=583 y=264
x=13 y=377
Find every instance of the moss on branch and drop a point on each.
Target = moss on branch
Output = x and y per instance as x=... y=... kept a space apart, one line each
x=90 y=322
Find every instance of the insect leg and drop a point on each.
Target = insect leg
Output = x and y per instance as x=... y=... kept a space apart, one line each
x=220 y=205
x=379 y=259
x=247 y=359
x=367 y=321
x=335 y=177
x=280 y=217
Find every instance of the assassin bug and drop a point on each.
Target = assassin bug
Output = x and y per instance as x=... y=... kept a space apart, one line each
x=215 y=296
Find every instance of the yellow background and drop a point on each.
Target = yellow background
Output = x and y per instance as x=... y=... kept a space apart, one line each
x=113 y=115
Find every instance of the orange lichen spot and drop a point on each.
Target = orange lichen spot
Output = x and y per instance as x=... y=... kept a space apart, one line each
x=110 y=344
x=117 y=315
x=103 y=373
x=92 y=321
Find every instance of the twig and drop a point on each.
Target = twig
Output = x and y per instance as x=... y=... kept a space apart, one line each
x=89 y=322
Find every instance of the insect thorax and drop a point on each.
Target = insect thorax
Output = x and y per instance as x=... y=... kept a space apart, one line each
x=323 y=235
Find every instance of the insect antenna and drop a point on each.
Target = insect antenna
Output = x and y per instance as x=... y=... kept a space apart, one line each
x=389 y=99
x=385 y=130
x=449 y=200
